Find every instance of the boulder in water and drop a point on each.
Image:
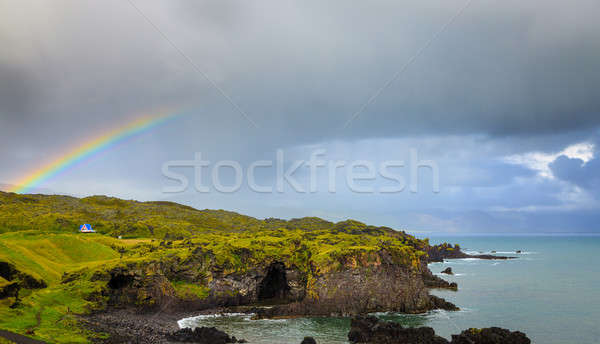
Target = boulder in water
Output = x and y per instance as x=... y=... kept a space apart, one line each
x=372 y=330
x=448 y=271
x=202 y=335
x=491 y=335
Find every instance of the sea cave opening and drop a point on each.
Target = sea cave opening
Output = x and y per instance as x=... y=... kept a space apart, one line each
x=274 y=286
x=118 y=281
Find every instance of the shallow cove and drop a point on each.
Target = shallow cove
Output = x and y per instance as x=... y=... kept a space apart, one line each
x=550 y=293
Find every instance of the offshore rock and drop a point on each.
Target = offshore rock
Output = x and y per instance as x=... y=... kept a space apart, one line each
x=202 y=335
x=375 y=331
x=492 y=335
x=447 y=271
x=372 y=330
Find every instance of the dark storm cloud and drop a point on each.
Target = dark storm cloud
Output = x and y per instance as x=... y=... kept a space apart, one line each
x=504 y=78
x=502 y=69
x=302 y=69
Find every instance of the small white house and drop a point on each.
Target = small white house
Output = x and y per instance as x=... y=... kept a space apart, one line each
x=86 y=228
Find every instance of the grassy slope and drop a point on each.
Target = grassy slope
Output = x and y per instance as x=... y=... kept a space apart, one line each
x=48 y=255
x=38 y=234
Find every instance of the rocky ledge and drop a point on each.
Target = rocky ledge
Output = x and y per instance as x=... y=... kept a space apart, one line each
x=372 y=330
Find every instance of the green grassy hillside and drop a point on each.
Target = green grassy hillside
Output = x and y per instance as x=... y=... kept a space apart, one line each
x=38 y=236
x=115 y=216
x=48 y=313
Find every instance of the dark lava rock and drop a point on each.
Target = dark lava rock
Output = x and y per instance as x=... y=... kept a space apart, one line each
x=202 y=335
x=448 y=271
x=433 y=281
x=9 y=272
x=375 y=331
x=440 y=303
x=309 y=340
x=371 y=330
x=10 y=290
x=492 y=335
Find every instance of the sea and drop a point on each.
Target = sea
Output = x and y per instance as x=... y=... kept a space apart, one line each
x=551 y=292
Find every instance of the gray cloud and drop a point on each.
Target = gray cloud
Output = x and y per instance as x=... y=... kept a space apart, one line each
x=586 y=176
x=505 y=78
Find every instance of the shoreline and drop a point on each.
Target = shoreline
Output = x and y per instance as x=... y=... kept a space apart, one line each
x=129 y=325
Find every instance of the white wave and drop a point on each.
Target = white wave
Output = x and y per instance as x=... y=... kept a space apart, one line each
x=455 y=274
x=193 y=321
x=270 y=320
x=476 y=252
x=378 y=314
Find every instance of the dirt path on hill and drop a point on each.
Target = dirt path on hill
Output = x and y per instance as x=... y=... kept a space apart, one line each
x=19 y=339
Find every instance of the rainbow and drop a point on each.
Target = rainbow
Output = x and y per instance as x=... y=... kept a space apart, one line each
x=88 y=149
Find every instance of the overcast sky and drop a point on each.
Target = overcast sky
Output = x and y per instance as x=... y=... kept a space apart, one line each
x=502 y=95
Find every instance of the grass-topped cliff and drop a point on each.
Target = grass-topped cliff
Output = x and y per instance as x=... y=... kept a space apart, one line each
x=199 y=258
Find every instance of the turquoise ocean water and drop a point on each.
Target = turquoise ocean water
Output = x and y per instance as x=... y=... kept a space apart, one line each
x=551 y=292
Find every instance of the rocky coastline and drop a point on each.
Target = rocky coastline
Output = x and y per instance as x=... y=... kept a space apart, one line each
x=351 y=291
x=376 y=284
x=127 y=326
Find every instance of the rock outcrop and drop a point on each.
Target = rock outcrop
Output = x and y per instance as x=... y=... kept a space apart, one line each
x=440 y=303
x=492 y=335
x=142 y=286
x=202 y=335
x=16 y=280
x=448 y=271
x=372 y=330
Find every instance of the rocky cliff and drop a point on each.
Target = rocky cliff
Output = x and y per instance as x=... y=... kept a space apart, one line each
x=367 y=283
